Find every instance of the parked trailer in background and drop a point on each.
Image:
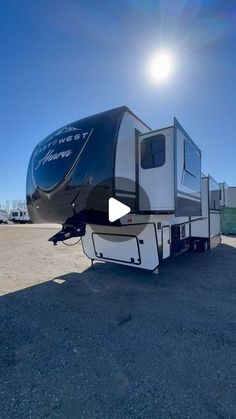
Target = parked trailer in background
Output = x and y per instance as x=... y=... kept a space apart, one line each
x=3 y=217
x=19 y=216
x=75 y=171
x=228 y=209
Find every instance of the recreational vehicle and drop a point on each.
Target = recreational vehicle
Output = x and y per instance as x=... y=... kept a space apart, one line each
x=19 y=216
x=81 y=173
x=3 y=217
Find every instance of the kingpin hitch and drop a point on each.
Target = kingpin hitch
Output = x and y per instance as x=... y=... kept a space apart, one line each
x=67 y=232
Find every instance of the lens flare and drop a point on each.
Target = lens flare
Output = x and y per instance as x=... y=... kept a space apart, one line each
x=161 y=66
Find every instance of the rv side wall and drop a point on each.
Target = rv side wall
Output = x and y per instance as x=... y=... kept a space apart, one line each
x=125 y=151
x=158 y=180
x=215 y=228
x=187 y=174
x=201 y=228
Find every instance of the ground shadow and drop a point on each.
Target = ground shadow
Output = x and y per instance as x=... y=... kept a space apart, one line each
x=119 y=342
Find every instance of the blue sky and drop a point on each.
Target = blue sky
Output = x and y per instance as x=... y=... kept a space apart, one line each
x=62 y=60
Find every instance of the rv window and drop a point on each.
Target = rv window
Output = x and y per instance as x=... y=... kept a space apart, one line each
x=14 y=214
x=153 y=153
x=192 y=167
x=191 y=159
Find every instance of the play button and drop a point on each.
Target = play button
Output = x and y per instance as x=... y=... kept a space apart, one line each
x=108 y=201
x=117 y=209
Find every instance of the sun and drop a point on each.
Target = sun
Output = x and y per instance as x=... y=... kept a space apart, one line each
x=161 y=66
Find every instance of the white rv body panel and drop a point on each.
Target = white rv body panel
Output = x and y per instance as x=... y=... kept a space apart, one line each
x=125 y=151
x=127 y=245
x=122 y=245
x=125 y=248
x=158 y=182
x=173 y=184
x=215 y=228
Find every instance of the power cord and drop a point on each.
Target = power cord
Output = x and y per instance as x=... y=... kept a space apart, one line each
x=73 y=244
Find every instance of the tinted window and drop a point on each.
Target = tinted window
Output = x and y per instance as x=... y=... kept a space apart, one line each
x=192 y=167
x=153 y=153
x=191 y=159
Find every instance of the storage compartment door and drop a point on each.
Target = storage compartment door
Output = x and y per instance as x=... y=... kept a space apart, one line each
x=117 y=248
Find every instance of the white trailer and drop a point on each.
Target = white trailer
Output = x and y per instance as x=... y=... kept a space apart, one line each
x=76 y=170
x=19 y=216
x=3 y=217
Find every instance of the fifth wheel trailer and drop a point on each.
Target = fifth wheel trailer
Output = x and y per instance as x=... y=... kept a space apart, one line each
x=74 y=172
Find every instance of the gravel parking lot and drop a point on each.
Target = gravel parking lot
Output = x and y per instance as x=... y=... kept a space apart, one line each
x=114 y=342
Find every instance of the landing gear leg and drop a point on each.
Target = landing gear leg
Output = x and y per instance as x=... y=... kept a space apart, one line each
x=206 y=247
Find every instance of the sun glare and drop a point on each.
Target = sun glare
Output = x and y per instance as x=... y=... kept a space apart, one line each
x=161 y=66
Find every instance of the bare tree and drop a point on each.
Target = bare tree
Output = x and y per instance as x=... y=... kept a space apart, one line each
x=18 y=203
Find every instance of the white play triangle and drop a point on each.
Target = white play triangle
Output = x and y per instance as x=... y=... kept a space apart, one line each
x=117 y=209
